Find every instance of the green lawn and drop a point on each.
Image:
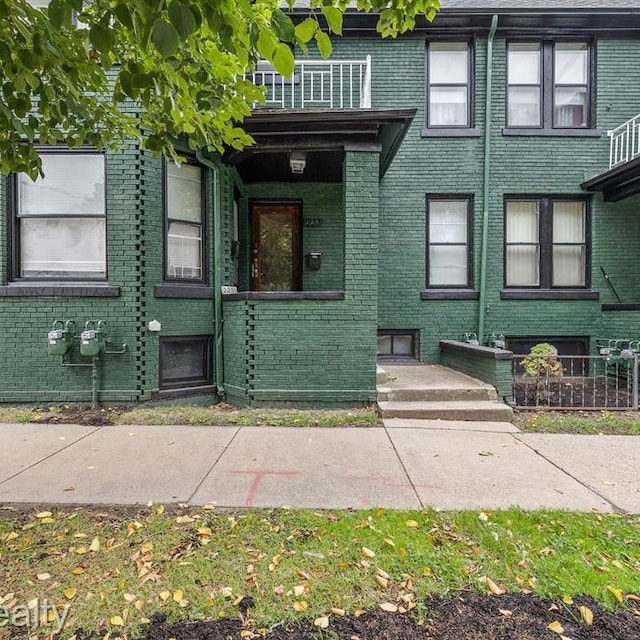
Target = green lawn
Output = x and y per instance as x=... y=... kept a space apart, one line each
x=115 y=569
x=583 y=422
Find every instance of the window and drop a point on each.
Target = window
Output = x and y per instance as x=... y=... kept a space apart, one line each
x=184 y=207
x=546 y=243
x=59 y=220
x=185 y=362
x=448 y=84
x=449 y=241
x=548 y=85
x=398 y=344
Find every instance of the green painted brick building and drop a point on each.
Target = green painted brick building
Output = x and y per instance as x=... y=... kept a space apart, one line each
x=457 y=180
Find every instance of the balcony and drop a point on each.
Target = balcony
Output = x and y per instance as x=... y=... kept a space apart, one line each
x=622 y=179
x=624 y=142
x=317 y=84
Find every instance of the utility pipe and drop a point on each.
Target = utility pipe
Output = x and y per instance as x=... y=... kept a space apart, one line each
x=217 y=271
x=485 y=184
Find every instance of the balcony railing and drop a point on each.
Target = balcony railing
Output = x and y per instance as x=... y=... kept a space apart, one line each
x=317 y=84
x=624 y=142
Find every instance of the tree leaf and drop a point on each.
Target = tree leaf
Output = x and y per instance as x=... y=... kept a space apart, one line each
x=324 y=43
x=165 y=38
x=334 y=18
x=389 y=606
x=322 y=622
x=182 y=19
x=101 y=38
x=306 y=30
x=70 y=593
x=283 y=60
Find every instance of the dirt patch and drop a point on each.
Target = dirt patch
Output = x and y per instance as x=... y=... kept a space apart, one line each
x=80 y=414
x=465 y=616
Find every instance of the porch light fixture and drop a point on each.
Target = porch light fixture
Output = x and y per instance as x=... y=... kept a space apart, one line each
x=297 y=161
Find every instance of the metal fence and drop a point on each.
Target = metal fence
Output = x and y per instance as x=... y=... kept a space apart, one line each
x=605 y=381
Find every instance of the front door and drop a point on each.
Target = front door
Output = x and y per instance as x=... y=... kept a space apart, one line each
x=275 y=251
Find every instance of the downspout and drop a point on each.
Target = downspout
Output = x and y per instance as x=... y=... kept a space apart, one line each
x=217 y=272
x=485 y=183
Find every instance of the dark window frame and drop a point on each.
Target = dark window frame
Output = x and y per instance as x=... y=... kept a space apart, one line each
x=414 y=334
x=13 y=222
x=547 y=88
x=546 y=244
x=470 y=86
x=204 y=263
x=188 y=382
x=468 y=197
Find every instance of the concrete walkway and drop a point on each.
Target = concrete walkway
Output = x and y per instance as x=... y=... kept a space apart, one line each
x=408 y=464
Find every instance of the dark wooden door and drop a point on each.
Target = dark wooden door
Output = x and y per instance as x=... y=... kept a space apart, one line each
x=275 y=251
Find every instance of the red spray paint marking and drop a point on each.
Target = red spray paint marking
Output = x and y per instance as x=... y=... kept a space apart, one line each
x=257 y=479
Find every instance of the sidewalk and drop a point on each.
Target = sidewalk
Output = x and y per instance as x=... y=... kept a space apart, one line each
x=408 y=464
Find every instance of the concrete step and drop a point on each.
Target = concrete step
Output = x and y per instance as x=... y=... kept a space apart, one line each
x=426 y=393
x=490 y=410
x=381 y=375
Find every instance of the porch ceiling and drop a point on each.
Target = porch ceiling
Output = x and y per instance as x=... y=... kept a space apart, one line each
x=618 y=183
x=322 y=134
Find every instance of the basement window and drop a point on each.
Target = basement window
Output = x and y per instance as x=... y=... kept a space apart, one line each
x=398 y=344
x=185 y=362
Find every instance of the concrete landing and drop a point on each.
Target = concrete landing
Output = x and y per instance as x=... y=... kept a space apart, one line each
x=432 y=392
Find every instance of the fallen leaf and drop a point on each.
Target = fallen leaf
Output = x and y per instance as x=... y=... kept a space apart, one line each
x=300 y=605
x=44 y=514
x=43 y=576
x=368 y=553
x=389 y=606
x=77 y=570
x=586 y=614
x=567 y=600
x=412 y=524
x=178 y=596
x=337 y=612
x=322 y=622
x=165 y=595
x=491 y=585
x=383 y=583
x=70 y=593
x=505 y=612
x=117 y=621
x=556 y=627
x=298 y=590
x=617 y=593
x=95 y=545
x=129 y=597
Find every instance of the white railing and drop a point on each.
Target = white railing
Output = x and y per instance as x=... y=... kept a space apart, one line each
x=317 y=84
x=624 y=142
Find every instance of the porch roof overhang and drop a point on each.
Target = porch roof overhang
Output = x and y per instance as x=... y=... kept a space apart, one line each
x=324 y=134
x=618 y=183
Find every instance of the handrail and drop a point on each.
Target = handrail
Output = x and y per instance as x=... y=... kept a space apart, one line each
x=624 y=142
x=328 y=84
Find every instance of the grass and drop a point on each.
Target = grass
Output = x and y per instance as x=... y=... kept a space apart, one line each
x=115 y=569
x=214 y=415
x=581 y=422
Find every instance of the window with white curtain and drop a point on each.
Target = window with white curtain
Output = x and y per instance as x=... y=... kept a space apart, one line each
x=448 y=84
x=184 y=206
x=448 y=242
x=60 y=219
x=548 y=84
x=546 y=242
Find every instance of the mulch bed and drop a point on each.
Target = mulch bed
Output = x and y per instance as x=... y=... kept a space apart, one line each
x=463 y=616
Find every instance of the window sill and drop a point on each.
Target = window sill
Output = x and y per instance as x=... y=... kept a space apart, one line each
x=183 y=291
x=183 y=392
x=621 y=306
x=60 y=290
x=558 y=133
x=451 y=132
x=284 y=295
x=549 y=294
x=449 y=294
